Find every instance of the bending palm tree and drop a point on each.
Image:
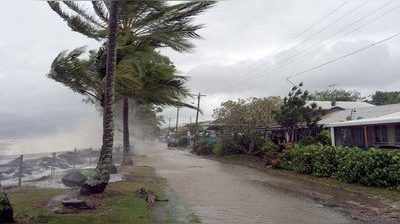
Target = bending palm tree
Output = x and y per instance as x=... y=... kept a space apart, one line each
x=103 y=168
x=151 y=23
x=147 y=77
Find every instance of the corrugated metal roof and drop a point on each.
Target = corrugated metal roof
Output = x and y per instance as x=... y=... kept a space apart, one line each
x=387 y=119
x=327 y=105
x=360 y=113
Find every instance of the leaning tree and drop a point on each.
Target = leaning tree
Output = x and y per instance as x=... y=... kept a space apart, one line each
x=153 y=23
x=148 y=78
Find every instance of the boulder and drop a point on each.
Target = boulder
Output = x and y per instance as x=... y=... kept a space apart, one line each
x=93 y=188
x=6 y=211
x=74 y=178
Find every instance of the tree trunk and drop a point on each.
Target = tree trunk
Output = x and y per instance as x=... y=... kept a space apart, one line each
x=104 y=165
x=126 y=157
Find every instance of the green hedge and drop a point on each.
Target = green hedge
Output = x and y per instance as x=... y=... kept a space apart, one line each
x=315 y=160
x=371 y=167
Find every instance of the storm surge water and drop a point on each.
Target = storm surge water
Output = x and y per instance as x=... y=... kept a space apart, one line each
x=86 y=134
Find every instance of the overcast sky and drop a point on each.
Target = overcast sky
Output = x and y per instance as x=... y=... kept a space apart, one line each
x=249 y=48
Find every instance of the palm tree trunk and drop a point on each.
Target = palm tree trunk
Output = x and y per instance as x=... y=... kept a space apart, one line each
x=104 y=164
x=126 y=160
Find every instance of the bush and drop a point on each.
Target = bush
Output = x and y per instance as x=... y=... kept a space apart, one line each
x=316 y=160
x=369 y=167
x=183 y=141
x=324 y=161
x=271 y=153
x=323 y=138
x=269 y=147
x=218 y=149
x=308 y=140
x=352 y=165
x=204 y=147
x=230 y=146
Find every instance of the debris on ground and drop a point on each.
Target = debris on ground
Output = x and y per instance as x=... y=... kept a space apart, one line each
x=77 y=204
x=149 y=196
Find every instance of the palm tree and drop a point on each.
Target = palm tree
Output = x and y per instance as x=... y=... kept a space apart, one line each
x=104 y=164
x=141 y=23
x=147 y=77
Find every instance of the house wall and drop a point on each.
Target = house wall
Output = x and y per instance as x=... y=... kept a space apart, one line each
x=377 y=136
x=349 y=136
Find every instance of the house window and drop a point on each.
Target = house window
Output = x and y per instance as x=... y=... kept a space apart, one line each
x=381 y=134
x=397 y=133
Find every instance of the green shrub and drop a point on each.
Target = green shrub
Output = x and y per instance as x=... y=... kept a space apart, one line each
x=204 y=147
x=308 y=140
x=369 y=167
x=230 y=146
x=269 y=147
x=324 y=137
x=218 y=149
x=183 y=141
x=324 y=161
x=316 y=160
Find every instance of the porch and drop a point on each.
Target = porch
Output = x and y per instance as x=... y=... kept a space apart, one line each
x=379 y=136
x=381 y=132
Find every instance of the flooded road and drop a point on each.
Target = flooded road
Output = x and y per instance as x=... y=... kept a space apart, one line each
x=222 y=193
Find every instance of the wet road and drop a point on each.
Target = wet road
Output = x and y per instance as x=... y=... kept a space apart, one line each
x=222 y=193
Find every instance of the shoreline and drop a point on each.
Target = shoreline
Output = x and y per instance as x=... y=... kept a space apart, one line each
x=118 y=204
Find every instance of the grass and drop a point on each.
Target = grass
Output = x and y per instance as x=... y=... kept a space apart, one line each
x=118 y=204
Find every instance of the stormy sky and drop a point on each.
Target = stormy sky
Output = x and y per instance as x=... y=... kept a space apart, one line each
x=248 y=48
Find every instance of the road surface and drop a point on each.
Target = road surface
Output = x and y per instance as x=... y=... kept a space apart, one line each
x=221 y=193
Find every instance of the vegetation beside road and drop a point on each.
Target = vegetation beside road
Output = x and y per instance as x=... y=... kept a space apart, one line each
x=365 y=203
x=118 y=204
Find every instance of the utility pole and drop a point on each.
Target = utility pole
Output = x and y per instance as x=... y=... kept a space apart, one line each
x=197 y=118
x=177 y=119
x=169 y=125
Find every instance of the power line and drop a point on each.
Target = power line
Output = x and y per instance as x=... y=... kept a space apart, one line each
x=331 y=13
x=322 y=42
x=345 y=56
x=321 y=30
x=322 y=19
x=350 y=12
x=374 y=19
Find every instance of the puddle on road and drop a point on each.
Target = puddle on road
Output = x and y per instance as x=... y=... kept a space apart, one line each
x=222 y=193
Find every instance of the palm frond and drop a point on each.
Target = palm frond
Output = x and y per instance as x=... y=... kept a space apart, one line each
x=77 y=9
x=100 y=10
x=71 y=71
x=78 y=23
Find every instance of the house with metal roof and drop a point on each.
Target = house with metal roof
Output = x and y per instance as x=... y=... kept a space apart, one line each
x=340 y=105
x=377 y=126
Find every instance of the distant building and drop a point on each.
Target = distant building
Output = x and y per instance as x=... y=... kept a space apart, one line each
x=330 y=106
x=365 y=127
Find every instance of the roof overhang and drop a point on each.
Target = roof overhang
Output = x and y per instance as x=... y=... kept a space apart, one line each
x=363 y=122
